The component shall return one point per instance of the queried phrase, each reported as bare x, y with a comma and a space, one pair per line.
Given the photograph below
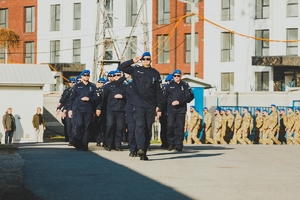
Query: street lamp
194, 11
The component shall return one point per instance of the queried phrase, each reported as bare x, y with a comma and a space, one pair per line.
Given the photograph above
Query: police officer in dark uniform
97, 119
178, 94
146, 98
62, 106
114, 94
82, 99
163, 118
130, 121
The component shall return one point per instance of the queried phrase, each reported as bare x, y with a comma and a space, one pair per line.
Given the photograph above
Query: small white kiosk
21, 88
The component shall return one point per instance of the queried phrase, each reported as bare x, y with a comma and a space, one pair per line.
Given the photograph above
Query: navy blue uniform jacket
178, 92
145, 84
81, 90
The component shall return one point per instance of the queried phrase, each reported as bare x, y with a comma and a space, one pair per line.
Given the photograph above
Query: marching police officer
146, 98
207, 126
82, 99
178, 94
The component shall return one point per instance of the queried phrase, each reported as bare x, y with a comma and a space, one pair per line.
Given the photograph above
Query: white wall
23, 101
66, 35
244, 22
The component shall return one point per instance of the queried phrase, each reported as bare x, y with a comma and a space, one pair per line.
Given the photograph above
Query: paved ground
56, 171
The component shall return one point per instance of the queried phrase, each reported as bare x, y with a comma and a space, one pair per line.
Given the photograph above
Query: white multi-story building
236, 63
67, 33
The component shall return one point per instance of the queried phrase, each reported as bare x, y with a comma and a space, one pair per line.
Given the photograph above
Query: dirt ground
11, 176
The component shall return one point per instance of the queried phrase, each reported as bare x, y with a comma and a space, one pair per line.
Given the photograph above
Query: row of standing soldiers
269, 129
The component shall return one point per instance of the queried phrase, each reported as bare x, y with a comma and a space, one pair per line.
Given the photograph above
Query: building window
227, 47
292, 47
131, 12
261, 81
29, 19
77, 16
2, 54
132, 47
55, 17
292, 8
188, 48
163, 49
163, 12
262, 9
29, 52
54, 51
76, 51
227, 81
110, 13
262, 46
227, 12
188, 9
3, 18
108, 49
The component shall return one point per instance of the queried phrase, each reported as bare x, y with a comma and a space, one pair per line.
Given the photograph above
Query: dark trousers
64, 122
131, 131
115, 121
83, 121
98, 129
256, 136
175, 124
228, 135
163, 135
69, 129
144, 118
8, 136
281, 136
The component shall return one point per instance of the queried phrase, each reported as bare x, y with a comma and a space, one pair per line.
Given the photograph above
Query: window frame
262, 43
261, 81
55, 19
30, 22
110, 13
229, 16
29, 55
132, 48
230, 81
188, 48
290, 45
230, 49
77, 19
291, 4
131, 12
54, 51
108, 54
163, 55
5, 23
77, 51
164, 16
261, 8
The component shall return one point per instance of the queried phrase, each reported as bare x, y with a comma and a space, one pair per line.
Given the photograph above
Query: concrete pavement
56, 171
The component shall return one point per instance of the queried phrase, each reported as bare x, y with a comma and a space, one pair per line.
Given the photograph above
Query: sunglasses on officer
101, 82
72, 82
85, 75
117, 75
177, 75
147, 59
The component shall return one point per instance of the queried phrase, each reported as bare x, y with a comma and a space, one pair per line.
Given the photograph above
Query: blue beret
106, 80
236, 109
146, 54
228, 109
111, 73
273, 105
245, 108
72, 80
290, 107
258, 109
217, 109
192, 106
117, 71
177, 71
85, 72
205, 108
169, 77
222, 110
101, 80
298, 108
281, 109
265, 111
78, 77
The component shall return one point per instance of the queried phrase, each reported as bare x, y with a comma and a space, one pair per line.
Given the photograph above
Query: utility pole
145, 28
96, 46
194, 12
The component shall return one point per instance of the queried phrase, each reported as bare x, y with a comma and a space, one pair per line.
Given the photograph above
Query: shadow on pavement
63, 173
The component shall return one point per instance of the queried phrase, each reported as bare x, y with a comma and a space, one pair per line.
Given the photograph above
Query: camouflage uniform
224, 126
282, 128
237, 128
258, 131
245, 129
195, 121
218, 128
265, 127
207, 126
273, 128
229, 128
296, 130
289, 127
